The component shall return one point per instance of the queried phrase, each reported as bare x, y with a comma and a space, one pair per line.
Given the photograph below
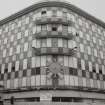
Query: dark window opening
43, 12
66, 99
6, 70
100, 71
94, 70
37, 99
54, 28
38, 71
71, 71
83, 73
24, 73
56, 99
13, 68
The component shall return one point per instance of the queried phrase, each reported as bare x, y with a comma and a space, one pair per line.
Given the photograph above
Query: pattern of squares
20, 67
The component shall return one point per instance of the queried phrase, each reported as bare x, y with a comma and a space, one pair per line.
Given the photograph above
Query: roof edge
52, 3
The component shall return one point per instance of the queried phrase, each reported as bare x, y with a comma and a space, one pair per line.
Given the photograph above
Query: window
38, 28
65, 28
59, 13
54, 28
44, 27
65, 43
80, 22
38, 61
54, 42
25, 46
54, 12
81, 47
27, 20
17, 65
43, 43
26, 33
19, 35
18, 49
95, 52
11, 51
43, 12
64, 14
83, 64
48, 42
4, 53
60, 42
24, 81
25, 64
38, 71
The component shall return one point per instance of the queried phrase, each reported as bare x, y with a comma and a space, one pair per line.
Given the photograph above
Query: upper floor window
43, 12
54, 27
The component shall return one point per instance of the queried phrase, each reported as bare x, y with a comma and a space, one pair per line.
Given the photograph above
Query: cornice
49, 4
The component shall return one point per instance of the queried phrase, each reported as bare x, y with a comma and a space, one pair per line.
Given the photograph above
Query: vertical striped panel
75, 80
37, 61
101, 84
80, 81
71, 80
66, 61
15, 83
70, 61
12, 83
43, 79
98, 84
24, 82
37, 80
5, 84
32, 80
60, 42
49, 42
20, 82
33, 62
61, 81
43, 60
8, 84
91, 83
88, 82
95, 83
28, 82
84, 82
66, 79
49, 82
75, 62
104, 84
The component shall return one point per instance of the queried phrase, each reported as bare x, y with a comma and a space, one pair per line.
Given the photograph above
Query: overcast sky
93, 7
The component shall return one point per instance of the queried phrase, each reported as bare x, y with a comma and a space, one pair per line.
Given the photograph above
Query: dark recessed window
13, 68
71, 71
43, 12
54, 28
6, 70
38, 71
55, 99
94, 70
83, 73
100, 71
24, 73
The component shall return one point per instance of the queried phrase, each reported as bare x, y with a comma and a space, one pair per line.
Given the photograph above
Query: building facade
52, 53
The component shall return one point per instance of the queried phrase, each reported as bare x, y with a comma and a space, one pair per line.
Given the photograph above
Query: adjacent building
52, 53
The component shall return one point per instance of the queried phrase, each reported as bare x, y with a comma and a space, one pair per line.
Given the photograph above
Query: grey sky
93, 7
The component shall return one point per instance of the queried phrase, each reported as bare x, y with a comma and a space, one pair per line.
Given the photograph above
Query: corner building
52, 53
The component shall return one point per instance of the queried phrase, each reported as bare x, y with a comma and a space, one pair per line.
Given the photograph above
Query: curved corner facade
52, 54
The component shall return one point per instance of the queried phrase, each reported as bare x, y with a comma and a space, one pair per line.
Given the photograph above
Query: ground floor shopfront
55, 97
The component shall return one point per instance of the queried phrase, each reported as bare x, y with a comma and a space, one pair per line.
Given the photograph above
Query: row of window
41, 80
46, 60
54, 27
91, 51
